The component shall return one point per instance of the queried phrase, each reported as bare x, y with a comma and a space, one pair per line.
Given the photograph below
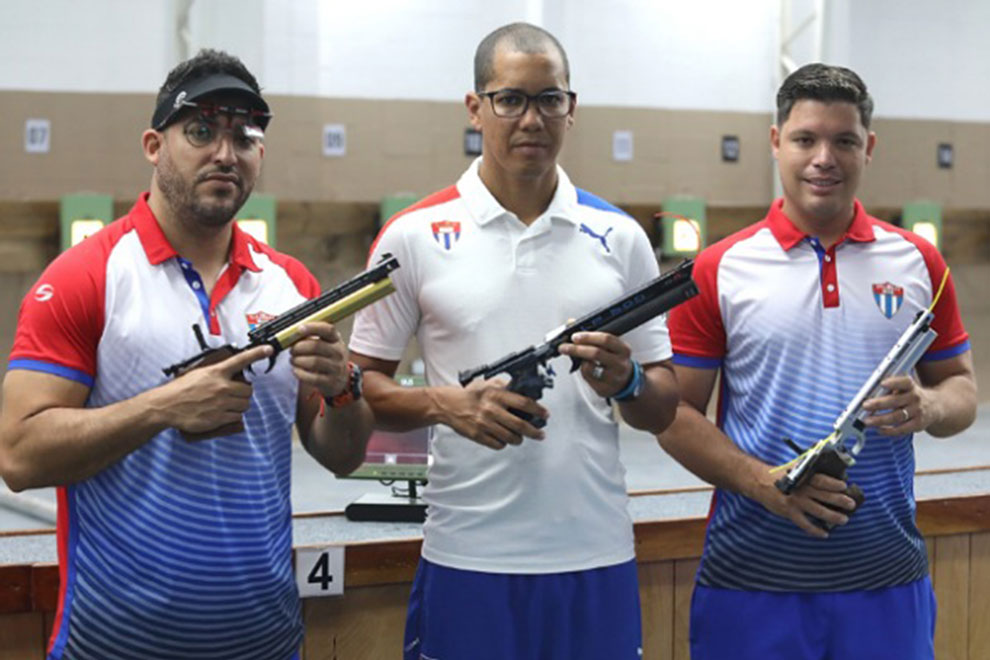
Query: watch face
353, 390
357, 380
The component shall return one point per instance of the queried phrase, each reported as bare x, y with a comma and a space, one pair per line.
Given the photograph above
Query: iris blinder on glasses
204, 129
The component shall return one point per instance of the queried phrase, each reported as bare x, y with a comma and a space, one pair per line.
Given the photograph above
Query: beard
198, 209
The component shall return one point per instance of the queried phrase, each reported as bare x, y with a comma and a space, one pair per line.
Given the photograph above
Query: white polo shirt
476, 284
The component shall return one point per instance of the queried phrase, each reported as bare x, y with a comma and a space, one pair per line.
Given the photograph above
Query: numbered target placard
37, 136
320, 571
334, 140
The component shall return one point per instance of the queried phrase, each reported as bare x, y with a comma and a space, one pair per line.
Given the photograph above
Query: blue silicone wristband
629, 392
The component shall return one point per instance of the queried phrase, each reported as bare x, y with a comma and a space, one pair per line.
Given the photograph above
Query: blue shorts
469, 615
895, 623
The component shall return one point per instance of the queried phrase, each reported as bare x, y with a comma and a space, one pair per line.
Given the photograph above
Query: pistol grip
833, 466
531, 386
538, 422
854, 492
213, 357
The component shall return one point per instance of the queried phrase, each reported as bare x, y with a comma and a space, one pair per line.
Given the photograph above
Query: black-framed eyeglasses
512, 103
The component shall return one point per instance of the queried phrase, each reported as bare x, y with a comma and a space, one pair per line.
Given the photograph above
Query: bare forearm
654, 409
399, 408
955, 399
338, 439
702, 448
60, 446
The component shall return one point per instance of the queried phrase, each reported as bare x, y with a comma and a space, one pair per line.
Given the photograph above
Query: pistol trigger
271, 362
575, 364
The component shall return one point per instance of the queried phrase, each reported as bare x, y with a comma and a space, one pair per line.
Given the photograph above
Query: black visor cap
214, 83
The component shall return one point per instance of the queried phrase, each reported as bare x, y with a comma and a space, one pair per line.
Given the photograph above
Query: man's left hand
907, 407
320, 360
606, 361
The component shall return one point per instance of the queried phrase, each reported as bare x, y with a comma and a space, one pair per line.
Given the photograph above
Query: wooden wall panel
952, 594
22, 636
979, 596
365, 623
369, 621
656, 595
417, 146
684, 573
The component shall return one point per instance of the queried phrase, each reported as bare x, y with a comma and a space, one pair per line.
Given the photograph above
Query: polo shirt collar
484, 208
158, 249
788, 235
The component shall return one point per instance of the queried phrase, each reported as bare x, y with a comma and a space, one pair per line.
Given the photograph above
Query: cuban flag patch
889, 298
257, 318
446, 232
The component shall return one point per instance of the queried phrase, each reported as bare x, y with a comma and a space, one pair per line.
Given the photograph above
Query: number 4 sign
320, 571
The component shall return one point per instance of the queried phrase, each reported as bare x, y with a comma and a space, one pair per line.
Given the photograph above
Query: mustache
224, 172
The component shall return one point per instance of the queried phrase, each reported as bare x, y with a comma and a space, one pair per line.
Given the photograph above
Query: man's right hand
480, 412
807, 502
210, 401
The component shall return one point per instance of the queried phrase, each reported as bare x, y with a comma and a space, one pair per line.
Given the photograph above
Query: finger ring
598, 372
907, 415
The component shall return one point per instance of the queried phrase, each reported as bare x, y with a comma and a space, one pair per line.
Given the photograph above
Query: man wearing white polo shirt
796, 312
528, 548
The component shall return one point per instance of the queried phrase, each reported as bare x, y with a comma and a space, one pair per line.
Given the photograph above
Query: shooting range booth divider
925, 219
679, 238
258, 217
391, 458
82, 215
392, 204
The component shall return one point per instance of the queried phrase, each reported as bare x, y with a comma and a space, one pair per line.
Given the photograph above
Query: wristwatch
351, 393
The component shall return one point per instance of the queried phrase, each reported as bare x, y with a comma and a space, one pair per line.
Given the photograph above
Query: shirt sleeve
952, 337
383, 330
696, 328
61, 317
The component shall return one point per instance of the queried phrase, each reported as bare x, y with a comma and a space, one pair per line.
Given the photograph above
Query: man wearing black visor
171, 547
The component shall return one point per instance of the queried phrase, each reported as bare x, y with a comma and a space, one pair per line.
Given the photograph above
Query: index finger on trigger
241, 361
522, 402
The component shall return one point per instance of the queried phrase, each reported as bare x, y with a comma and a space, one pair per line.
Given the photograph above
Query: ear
774, 140
473, 104
151, 145
871, 142
570, 115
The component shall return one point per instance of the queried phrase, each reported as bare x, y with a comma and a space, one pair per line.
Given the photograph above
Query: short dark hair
206, 62
519, 37
827, 83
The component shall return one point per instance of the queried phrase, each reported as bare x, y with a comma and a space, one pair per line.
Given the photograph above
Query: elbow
14, 475
951, 427
664, 420
343, 465
344, 468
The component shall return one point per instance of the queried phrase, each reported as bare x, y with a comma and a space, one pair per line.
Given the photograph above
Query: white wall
705, 54
924, 59
921, 59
